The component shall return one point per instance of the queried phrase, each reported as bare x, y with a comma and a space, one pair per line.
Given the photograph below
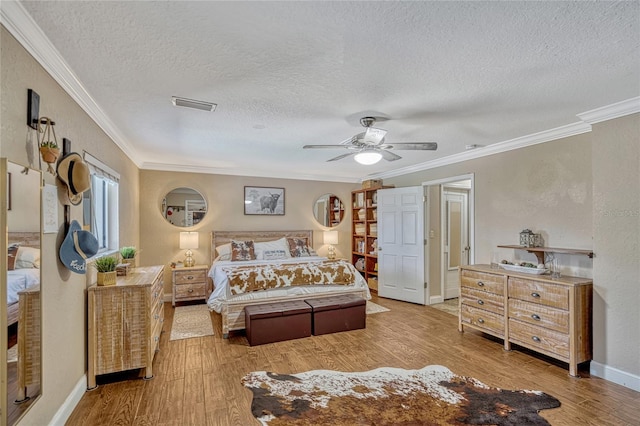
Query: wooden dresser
190, 283
124, 323
549, 316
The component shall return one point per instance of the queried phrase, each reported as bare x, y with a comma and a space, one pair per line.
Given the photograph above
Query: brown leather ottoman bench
275, 322
338, 313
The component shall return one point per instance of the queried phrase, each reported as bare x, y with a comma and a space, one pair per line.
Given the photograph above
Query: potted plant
49, 152
128, 255
106, 267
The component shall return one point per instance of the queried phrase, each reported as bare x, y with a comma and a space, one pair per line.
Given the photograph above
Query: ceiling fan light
368, 157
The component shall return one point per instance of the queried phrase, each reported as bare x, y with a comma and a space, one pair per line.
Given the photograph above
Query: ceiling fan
370, 146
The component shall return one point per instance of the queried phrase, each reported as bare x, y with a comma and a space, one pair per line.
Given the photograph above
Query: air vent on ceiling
192, 103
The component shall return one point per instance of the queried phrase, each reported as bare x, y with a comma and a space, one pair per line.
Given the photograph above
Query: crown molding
609, 112
496, 148
243, 172
21, 25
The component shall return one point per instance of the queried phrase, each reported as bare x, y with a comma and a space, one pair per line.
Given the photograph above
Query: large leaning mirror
328, 210
183, 207
20, 288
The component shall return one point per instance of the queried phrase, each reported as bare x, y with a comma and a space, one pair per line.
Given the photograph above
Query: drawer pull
535, 339
535, 317
480, 321
480, 283
190, 277
535, 295
190, 290
156, 338
480, 302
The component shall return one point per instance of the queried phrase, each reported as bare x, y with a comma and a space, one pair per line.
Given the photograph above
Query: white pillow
276, 245
224, 250
27, 258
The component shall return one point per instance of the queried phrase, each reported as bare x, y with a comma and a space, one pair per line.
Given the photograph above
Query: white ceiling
286, 74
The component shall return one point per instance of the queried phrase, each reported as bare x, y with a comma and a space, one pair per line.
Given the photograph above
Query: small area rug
374, 308
191, 321
389, 396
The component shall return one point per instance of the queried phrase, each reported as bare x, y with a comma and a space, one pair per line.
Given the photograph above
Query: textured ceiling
286, 74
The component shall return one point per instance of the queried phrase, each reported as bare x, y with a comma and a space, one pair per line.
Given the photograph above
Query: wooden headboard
27, 239
219, 238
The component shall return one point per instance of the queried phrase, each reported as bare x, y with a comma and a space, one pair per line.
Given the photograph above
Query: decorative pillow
275, 254
298, 247
27, 257
11, 257
226, 256
242, 250
275, 245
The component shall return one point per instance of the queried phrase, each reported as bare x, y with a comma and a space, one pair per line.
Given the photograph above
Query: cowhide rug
390, 396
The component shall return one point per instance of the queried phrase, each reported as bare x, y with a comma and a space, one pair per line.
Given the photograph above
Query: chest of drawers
190, 283
549, 316
124, 323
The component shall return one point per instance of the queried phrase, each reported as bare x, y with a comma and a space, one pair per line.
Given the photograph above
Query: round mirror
328, 210
184, 207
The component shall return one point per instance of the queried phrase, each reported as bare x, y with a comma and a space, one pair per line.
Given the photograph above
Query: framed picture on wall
263, 200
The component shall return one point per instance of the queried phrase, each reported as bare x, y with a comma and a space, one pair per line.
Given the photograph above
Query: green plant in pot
128, 255
106, 267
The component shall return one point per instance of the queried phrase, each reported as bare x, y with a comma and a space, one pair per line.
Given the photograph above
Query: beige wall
159, 240
616, 243
545, 187
63, 294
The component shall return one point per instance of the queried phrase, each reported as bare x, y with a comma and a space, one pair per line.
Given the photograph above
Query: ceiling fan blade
340, 157
388, 155
415, 146
324, 146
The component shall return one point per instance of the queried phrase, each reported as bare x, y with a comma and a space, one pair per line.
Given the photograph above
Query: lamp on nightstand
331, 238
188, 241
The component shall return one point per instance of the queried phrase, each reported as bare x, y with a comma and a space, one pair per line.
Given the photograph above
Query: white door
401, 244
455, 244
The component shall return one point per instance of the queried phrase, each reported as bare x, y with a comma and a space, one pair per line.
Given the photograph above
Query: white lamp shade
330, 237
368, 157
189, 240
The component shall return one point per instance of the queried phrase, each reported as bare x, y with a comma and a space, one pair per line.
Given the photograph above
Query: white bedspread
222, 293
18, 280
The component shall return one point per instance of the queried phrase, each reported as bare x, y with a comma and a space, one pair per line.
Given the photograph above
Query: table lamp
331, 238
188, 241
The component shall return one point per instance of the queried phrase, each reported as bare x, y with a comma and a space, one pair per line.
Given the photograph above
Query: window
100, 204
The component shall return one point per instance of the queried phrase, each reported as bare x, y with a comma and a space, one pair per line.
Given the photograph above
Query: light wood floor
197, 381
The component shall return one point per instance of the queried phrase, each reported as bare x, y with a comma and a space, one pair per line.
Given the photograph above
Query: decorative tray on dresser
549, 316
124, 323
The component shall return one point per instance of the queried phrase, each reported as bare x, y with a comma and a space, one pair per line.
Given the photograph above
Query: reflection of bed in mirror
23, 308
21, 277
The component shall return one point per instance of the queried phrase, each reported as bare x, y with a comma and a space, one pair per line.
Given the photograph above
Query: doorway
449, 227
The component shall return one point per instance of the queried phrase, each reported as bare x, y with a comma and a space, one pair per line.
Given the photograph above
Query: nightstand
190, 283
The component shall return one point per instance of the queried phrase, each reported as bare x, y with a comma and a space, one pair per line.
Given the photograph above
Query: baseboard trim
67, 407
614, 375
435, 299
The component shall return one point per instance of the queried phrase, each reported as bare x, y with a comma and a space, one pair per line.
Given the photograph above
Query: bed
269, 277
26, 272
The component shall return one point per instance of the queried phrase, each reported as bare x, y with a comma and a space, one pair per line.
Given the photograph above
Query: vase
107, 278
